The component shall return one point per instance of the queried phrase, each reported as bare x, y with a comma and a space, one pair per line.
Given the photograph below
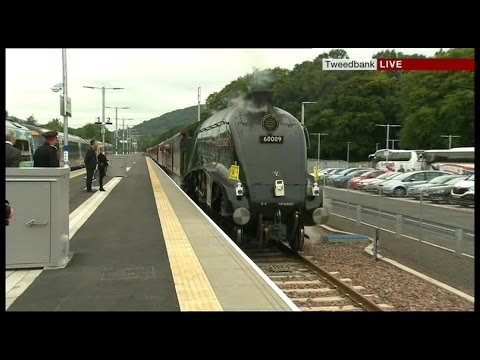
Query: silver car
416, 190
398, 186
371, 185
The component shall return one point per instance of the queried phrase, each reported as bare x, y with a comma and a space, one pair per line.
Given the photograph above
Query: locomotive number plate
271, 139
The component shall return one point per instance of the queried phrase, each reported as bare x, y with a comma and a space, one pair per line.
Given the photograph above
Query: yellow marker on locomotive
234, 171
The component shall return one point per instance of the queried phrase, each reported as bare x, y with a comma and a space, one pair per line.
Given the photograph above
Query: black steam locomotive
246, 166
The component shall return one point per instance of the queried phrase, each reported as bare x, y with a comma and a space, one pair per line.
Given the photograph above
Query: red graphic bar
425, 64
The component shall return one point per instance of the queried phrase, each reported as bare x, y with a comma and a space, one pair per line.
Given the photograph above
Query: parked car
325, 175
342, 181
463, 192
398, 186
442, 193
372, 174
372, 185
467, 198
346, 171
416, 190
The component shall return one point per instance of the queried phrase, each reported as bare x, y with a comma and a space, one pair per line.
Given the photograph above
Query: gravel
387, 283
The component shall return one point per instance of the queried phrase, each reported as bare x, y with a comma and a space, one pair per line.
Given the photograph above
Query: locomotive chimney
260, 100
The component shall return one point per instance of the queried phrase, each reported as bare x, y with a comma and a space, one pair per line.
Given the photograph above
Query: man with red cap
46, 155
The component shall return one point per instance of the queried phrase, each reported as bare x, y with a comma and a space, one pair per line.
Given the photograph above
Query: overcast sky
155, 81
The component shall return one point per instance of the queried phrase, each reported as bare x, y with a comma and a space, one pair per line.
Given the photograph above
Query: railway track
309, 286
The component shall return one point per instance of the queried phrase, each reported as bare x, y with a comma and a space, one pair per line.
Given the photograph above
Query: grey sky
155, 81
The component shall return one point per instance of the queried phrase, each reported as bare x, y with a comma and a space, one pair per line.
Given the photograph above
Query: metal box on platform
117, 165
38, 235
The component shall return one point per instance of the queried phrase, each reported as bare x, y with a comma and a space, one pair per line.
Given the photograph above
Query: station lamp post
103, 88
131, 135
388, 134
116, 123
388, 126
65, 106
393, 143
450, 139
318, 149
348, 153
123, 135
303, 109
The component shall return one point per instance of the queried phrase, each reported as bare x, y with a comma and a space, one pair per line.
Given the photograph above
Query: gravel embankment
390, 284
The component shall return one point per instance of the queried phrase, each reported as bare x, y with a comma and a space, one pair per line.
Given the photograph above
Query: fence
436, 240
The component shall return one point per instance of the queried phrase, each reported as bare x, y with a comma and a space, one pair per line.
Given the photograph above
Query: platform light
103, 88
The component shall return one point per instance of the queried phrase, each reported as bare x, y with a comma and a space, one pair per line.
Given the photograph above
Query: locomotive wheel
297, 243
239, 235
301, 238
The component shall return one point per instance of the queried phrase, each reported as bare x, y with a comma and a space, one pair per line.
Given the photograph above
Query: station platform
143, 245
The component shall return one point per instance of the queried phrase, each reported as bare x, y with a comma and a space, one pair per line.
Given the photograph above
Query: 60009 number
270, 139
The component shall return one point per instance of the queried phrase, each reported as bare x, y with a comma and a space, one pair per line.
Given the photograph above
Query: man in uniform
46, 155
12, 154
90, 161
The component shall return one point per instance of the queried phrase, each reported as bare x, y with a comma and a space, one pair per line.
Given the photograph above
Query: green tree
31, 120
54, 124
435, 103
349, 104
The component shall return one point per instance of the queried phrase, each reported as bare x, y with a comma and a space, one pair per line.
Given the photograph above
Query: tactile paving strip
193, 288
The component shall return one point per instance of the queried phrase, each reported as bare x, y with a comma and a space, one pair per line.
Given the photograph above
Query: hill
168, 121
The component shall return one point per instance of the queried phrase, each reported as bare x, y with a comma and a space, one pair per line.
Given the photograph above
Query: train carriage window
22, 145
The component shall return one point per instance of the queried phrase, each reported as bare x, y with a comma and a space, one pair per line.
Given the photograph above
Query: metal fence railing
433, 239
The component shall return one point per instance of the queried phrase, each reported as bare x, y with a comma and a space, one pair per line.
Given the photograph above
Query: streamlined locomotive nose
247, 165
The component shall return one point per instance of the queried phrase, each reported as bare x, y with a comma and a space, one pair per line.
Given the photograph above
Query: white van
463, 192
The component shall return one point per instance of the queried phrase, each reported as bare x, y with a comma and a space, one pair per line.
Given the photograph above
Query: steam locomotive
246, 166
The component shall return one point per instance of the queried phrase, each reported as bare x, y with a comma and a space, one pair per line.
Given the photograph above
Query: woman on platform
102, 165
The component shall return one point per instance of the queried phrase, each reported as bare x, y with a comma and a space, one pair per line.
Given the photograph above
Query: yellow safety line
194, 291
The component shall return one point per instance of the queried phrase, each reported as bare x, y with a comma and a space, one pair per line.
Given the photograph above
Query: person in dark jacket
90, 161
8, 212
12, 154
46, 155
102, 165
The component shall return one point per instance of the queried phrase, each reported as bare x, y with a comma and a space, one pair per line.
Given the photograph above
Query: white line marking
17, 281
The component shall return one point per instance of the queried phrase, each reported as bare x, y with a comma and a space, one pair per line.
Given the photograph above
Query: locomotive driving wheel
297, 236
296, 244
299, 241
239, 239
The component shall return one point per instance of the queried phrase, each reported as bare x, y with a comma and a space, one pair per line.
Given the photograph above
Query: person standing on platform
8, 213
90, 161
102, 165
12, 154
401, 169
46, 155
